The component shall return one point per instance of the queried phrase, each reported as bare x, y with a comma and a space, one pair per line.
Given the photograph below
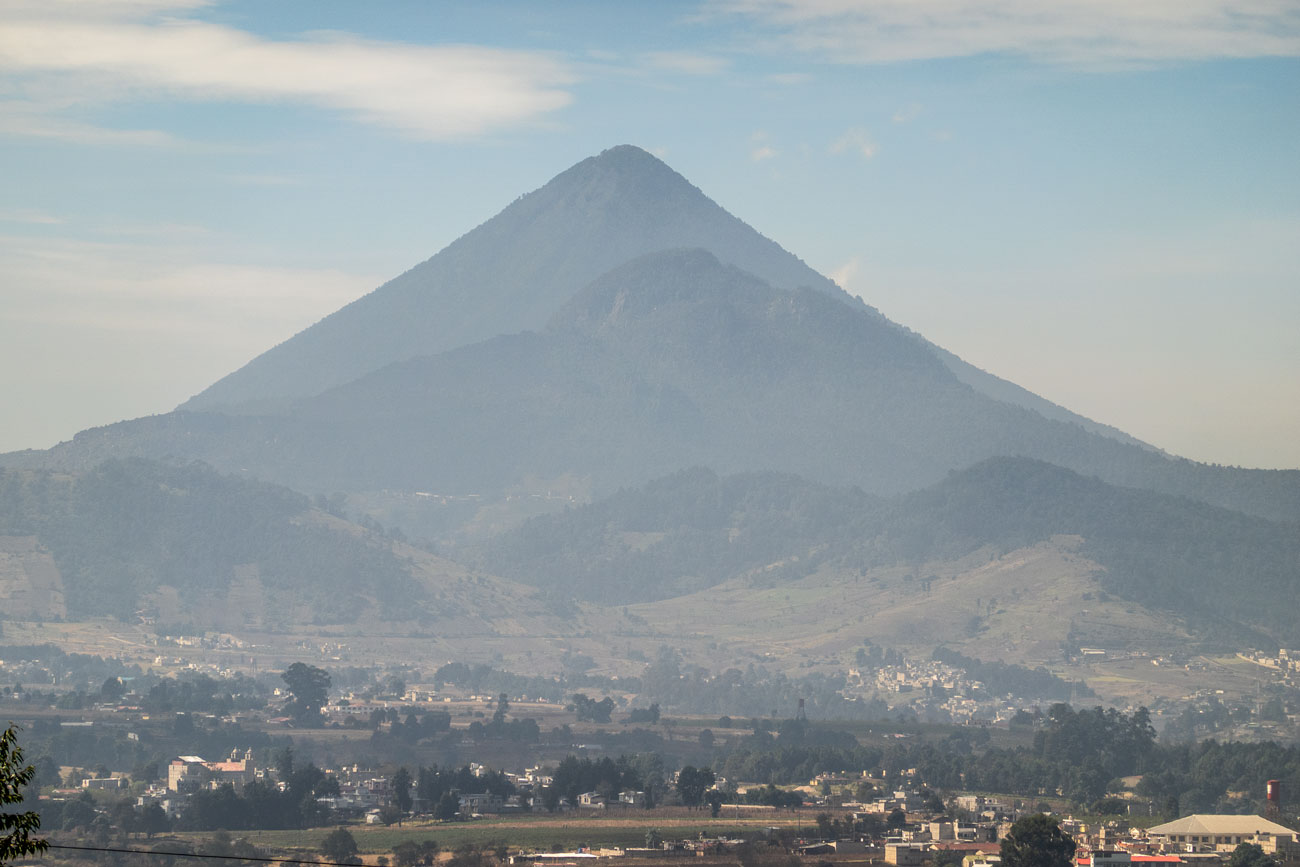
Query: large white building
1212, 832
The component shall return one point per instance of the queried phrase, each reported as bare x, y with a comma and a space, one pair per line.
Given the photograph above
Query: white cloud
54, 55
1060, 31
263, 179
31, 218
788, 79
150, 289
907, 114
762, 152
35, 120
857, 141
93, 332
687, 62
844, 274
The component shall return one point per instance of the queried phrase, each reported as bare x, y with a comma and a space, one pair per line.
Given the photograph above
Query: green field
537, 833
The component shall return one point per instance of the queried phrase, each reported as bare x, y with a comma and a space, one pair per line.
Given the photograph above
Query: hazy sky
1097, 199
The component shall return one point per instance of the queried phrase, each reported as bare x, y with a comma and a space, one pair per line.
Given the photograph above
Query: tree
310, 687
406, 853
339, 847
1037, 841
1273, 711
112, 690
153, 820
401, 786
409, 853
692, 783
946, 858
447, 807
284, 763
1250, 855
588, 709
16, 828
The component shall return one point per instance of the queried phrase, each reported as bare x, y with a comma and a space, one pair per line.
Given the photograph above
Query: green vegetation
119, 532
1223, 570
16, 829
530, 832
1250, 855
1037, 841
1004, 679
1207, 563
310, 688
678, 534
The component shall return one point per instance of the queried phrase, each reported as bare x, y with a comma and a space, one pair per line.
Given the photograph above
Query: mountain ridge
616, 205
694, 530
670, 360
512, 272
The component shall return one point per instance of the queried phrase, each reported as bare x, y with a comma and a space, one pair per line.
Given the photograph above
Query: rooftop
1218, 823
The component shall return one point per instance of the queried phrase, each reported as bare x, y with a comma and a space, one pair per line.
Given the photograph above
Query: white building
1210, 832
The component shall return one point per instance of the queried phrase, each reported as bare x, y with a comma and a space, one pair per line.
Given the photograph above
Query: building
105, 783
904, 855
1210, 832
482, 802
191, 773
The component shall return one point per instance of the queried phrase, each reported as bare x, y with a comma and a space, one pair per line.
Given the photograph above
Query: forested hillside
1229, 572
124, 530
676, 535
1174, 553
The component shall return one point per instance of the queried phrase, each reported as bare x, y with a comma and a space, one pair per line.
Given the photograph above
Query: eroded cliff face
31, 587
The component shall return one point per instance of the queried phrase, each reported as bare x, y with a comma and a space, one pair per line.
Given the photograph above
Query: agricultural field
545, 833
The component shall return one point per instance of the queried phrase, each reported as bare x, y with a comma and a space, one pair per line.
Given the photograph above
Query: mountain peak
511, 274
625, 159
628, 155
627, 183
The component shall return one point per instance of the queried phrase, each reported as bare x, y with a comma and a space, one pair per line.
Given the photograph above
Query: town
391, 766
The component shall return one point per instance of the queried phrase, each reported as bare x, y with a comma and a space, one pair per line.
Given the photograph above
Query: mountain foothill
732, 417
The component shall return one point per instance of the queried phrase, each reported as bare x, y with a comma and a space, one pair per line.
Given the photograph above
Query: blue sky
1096, 199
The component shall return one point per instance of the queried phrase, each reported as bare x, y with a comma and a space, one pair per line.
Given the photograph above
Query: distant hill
674, 359
674, 536
192, 547
1232, 574
1207, 563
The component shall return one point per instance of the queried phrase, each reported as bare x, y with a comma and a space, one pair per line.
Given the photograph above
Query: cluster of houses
1205, 839
931, 687
362, 794
1283, 660
920, 837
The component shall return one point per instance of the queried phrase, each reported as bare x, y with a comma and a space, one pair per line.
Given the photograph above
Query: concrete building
1210, 832
190, 773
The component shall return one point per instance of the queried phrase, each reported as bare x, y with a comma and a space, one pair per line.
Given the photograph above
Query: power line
194, 855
